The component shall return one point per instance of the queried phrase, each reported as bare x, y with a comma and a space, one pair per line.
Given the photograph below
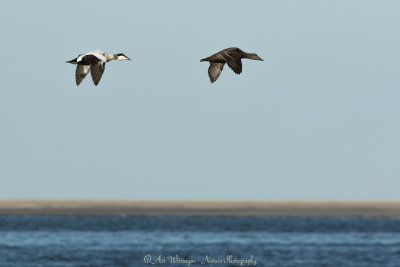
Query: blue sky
318, 119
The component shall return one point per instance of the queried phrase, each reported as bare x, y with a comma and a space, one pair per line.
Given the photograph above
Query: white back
99, 54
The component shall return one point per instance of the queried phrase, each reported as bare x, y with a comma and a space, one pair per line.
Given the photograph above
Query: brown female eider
232, 56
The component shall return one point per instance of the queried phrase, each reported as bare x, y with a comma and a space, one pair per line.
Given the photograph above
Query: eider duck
95, 62
232, 56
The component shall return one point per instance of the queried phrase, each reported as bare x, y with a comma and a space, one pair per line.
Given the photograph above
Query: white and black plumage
232, 56
95, 62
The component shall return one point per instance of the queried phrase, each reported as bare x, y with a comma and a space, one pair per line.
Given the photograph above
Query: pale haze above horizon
318, 119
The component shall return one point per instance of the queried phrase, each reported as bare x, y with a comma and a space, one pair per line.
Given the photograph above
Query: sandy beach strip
200, 207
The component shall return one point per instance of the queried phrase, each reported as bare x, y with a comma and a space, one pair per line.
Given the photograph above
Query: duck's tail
72, 61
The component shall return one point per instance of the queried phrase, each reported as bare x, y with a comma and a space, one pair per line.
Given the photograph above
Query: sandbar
199, 207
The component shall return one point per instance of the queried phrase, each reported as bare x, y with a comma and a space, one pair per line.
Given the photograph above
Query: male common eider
95, 62
232, 56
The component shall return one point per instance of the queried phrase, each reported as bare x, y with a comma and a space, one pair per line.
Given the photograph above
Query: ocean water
198, 241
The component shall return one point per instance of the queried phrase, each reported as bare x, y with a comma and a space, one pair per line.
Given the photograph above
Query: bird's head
121, 57
254, 56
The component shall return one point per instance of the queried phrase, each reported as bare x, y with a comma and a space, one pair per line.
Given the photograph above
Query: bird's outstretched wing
215, 70
97, 71
234, 61
81, 72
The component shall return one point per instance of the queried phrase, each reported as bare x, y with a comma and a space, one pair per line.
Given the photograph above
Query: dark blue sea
198, 241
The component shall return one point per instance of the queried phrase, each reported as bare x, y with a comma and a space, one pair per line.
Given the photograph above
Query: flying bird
232, 56
93, 62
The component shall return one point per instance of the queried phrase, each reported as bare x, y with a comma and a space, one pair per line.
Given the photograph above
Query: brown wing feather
215, 70
234, 61
97, 71
80, 73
